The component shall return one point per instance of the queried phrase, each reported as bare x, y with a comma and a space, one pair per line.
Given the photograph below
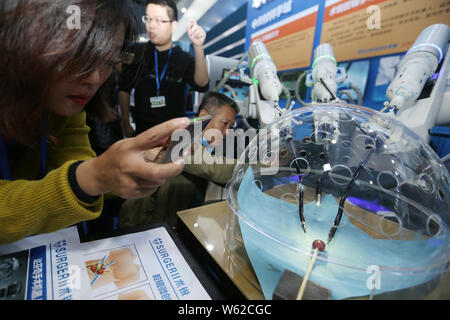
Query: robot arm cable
300, 79
225, 79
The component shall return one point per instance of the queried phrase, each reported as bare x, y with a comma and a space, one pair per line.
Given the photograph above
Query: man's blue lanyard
4, 164
158, 79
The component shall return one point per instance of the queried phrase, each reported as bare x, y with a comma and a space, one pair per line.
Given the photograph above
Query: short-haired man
223, 110
180, 192
161, 70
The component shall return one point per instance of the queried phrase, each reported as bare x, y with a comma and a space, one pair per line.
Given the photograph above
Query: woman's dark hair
172, 11
39, 47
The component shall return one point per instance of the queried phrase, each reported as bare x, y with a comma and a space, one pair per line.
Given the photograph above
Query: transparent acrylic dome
392, 240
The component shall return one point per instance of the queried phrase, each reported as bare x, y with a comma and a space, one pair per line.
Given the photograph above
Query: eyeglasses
157, 20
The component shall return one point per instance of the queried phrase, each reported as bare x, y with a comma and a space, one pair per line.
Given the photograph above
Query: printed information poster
290, 41
389, 26
140, 266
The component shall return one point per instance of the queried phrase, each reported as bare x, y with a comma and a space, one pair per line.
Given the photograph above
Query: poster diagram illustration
114, 269
145, 265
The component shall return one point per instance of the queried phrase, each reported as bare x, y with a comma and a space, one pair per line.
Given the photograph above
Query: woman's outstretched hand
124, 170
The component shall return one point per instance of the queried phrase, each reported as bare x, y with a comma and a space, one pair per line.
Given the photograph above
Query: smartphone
172, 150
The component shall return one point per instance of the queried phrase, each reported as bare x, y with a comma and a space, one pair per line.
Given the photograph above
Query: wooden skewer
372, 293
306, 277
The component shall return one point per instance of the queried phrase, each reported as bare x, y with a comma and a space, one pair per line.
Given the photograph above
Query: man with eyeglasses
161, 70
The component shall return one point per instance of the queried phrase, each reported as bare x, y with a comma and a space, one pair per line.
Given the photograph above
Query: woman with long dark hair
50, 67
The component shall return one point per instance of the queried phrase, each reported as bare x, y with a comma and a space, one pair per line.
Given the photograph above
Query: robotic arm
266, 87
264, 72
416, 67
327, 79
324, 71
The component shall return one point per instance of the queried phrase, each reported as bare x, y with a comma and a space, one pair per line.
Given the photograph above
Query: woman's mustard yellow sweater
29, 207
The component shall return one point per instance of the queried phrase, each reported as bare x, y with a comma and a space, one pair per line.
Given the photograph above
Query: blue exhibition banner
263, 13
290, 30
